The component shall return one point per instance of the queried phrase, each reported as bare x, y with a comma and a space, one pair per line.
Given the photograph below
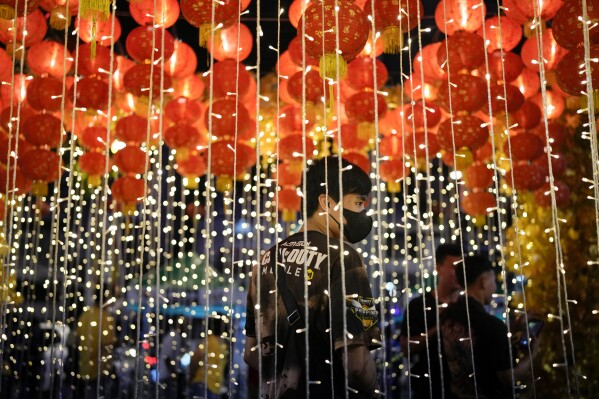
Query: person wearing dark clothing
475, 343
345, 324
420, 317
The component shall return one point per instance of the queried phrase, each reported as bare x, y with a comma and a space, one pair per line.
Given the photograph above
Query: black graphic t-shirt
267, 314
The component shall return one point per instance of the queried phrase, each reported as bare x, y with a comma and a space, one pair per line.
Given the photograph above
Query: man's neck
447, 295
477, 295
318, 224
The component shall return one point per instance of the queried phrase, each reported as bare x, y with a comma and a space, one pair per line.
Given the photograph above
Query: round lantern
42, 166
350, 138
558, 134
552, 52
230, 79
43, 130
289, 202
93, 164
391, 146
501, 34
478, 204
227, 165
467, 130
192, 168
8, 118
392, 172
361, 108
17, 181
292, 147
298, 56
478, 176
128, 190
285, 65
562, 194
137, 80
10, 9
484, 153
431, 68
34, 24
358, 159
559, 164
45, 94
228, 117
158, 12
555, 103
567, 24
545, 9
415, 115
49, 58
139, 44
100, 64
571, 72
183, 137
289, 173
524, 147
101, 33
123, 64
91, 93
131, 160
514, 13
191, 87
361, 71
419, 146
525, 176
468, 93
184, 110
132, 129
371, 50
182, 63
505, 97
528, 82
453, 52
505, 66
393, 18
452, 16
229, 46
199, 14
313, 88
94, 138
290, 120
528, 115
296, 9
320, 20
11, 145
6, 67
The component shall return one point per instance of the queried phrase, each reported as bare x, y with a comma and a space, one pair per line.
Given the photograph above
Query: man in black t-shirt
481, 341
420, 317
343, 320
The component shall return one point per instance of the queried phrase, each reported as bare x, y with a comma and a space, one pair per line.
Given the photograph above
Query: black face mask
357, 225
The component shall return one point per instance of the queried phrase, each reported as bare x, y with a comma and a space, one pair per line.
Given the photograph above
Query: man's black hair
474, 267
326, 171
445, 250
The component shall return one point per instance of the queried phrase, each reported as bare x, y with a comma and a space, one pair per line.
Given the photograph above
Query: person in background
95, 330
321, 260
419, 326
216, 350
469, 334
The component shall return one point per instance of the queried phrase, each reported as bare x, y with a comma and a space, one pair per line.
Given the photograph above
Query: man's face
446, 271
490, 285
352, 202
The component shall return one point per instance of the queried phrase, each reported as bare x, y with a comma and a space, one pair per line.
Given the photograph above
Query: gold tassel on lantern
224, 183
328, 66
394, 186
94, 10
584, 102
392, 40
205, 32
365, 130
7, 12
191, 182
289, 215
94, 180
39, 188
59, 19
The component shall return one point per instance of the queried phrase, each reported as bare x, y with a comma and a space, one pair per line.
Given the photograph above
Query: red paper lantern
528, 82
296, 10
503, 66
571, 72
12, 145
139, 44
132, 129
391, 16
94, 138
14, 180
392, 171
562, 194
100, 64
459, 59
230, 79
558, 134
415, 115
15, 8
360, 74
391, 146
285, 65
184, 110
370, 51
6, 120
505, 95
137, 80
313, 87
552, 52
289, 202
298, 56
421, 145
320, 19
289, 173
525, 176
16, 93
43, 130
468, 93
501, 34
122, 66
158, 12
191, 87
431, 68
34, 24
290, 120
199, 14
229, 47
6, 67
478, 176
292, 147
49, 58
452, 16
193, 166
131, 160
182, 63
545, 9
359, 159
524, 147
468, 131
128, 190
103, 31
225, 162
94, 165
228, 116
528, 115
350, 138
559, 164
555, 103
361, 107
40, 164
567, 24
181, 136
91, 93
45, 94
478, 203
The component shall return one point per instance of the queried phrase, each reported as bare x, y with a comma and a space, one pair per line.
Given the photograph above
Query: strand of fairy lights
560, 269
457, 197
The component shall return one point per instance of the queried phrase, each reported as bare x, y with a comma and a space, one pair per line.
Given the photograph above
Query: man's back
325, 326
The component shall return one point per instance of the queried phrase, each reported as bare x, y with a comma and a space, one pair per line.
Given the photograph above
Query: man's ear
323, 201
